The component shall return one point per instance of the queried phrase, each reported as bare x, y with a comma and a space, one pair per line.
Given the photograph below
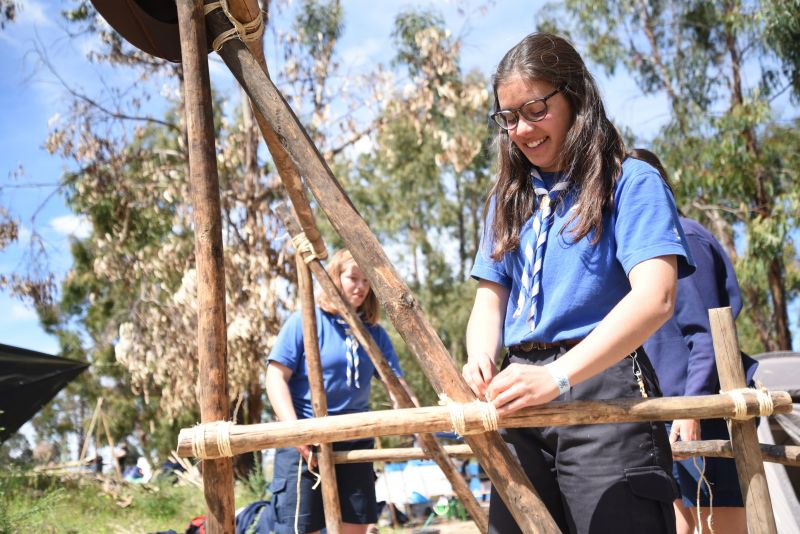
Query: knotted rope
223, 434
244, 31
304, 246
487, 410
765, 404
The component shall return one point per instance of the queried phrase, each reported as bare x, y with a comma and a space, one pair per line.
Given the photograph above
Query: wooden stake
89, 431
111, 444
211, 333
319, 401
247, 438
744, 440
391, 382
402, 308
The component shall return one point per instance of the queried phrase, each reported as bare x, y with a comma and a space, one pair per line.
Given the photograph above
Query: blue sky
30, 97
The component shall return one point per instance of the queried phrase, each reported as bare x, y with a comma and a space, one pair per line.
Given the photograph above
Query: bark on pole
403, 310
744, 440
211, 334
390, 381
319, 400
248, 438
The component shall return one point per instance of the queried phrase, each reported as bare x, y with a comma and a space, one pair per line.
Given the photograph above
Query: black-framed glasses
532, 111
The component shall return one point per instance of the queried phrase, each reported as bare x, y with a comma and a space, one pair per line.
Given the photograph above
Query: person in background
577, 268
347, 374
682, 353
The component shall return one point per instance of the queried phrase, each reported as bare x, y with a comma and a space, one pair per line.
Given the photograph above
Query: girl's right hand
478, 372
305, 452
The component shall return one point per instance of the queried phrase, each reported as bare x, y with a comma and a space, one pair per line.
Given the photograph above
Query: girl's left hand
520, 385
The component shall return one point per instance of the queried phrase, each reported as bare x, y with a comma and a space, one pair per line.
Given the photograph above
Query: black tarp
28, 381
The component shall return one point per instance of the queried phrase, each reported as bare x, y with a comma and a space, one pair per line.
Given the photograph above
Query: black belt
530, 346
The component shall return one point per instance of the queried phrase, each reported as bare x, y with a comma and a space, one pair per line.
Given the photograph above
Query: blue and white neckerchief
534, 249
351, 353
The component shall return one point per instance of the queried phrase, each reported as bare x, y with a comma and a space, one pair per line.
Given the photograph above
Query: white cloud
71, 225
35, 13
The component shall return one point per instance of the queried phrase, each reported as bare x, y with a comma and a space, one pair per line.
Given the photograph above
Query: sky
30, 97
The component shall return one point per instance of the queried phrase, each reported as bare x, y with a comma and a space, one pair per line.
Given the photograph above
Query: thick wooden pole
391, 382
744, 440
319, 400
403, 310
211, 334
248, 438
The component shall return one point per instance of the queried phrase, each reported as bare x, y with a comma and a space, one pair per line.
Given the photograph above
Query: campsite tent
28, 381
781, 371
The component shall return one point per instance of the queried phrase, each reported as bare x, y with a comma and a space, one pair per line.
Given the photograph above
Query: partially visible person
347, 374
682, 352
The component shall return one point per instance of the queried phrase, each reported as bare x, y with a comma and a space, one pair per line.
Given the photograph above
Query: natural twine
247, 31
303, 246
487, 410
223, 439
765, 404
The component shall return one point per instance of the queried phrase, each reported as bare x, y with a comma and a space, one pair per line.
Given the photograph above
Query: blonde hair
369, 310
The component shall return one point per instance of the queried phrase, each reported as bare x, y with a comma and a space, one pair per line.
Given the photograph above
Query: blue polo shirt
289, 351
682, 351
581, 282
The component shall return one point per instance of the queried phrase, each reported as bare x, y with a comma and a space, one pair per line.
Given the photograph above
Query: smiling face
541, 142
355, 286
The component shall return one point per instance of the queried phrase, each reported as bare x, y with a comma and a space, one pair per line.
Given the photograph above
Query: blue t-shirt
581, 282
289, 351
681, 350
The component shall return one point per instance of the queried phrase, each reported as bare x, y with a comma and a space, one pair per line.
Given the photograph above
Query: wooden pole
211, 334
744, 440
720, 448
89, 431
391, 382
248, 438
403, 310
111, 445
319, 400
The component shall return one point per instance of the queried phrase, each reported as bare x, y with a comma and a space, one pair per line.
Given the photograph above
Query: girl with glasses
578, 265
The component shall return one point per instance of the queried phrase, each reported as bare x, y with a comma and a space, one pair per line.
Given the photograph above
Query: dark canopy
28, 380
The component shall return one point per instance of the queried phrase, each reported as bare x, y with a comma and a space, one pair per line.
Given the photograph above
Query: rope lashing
304, 247
487, 411
223, 441
765, 404
244, 31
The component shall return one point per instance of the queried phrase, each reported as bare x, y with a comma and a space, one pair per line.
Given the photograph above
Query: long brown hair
369, 310
591, 156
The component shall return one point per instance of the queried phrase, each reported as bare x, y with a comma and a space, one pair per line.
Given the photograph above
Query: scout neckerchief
534, 249
351, 353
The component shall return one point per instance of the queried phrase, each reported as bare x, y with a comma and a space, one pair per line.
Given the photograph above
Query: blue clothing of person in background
342, 397
682, 353
347, 377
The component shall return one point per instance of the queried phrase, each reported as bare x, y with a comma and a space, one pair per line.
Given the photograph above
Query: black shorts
355, 482
596, 478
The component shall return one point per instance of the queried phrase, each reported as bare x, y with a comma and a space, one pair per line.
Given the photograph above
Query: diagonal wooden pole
390, 380
402, 308
211, 332
319, 401
744, 440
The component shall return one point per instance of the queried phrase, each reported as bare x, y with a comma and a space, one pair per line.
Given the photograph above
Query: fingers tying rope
487, 412
247, 31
